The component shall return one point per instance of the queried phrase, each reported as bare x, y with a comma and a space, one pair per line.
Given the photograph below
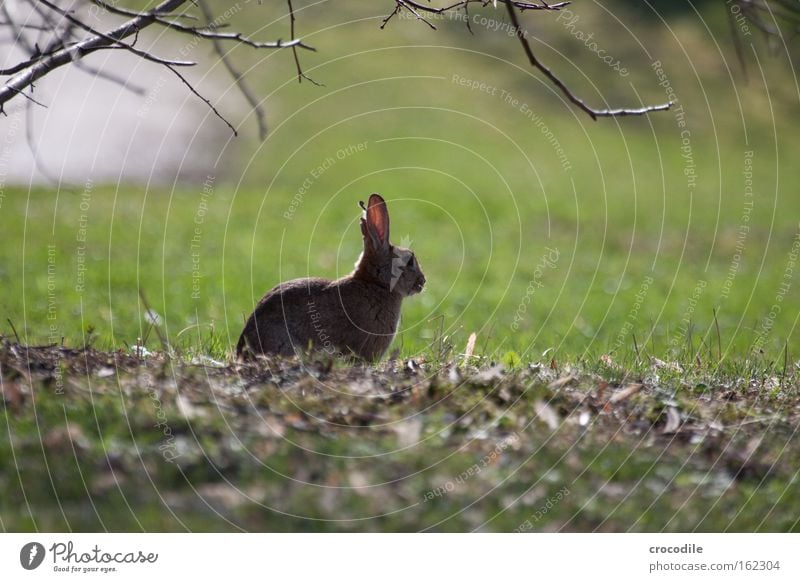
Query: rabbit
355, 316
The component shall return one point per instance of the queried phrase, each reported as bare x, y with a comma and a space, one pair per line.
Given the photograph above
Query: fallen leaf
359, 482
64, 438
625, 393
187, 409
673, 421
453, 375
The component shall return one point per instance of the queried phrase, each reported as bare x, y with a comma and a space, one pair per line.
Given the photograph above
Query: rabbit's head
393, 267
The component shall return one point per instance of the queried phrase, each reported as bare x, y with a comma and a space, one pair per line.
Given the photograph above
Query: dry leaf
625, 393
470, 347
453, 375
564, 380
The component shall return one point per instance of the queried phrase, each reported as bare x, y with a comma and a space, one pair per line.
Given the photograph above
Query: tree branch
416, 8
237, 76
593, 113
300, 74
115, 39
16, 85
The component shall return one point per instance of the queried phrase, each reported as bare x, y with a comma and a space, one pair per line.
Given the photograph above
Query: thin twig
416, 8
134, 13
300, 74
38, 27
206, 101
737, 45
69, 54
237, 76
413, 10
114, 40
14, 329
28, 97
111, 77
164, 343
593, 113
30, 139
209, 31
202, 32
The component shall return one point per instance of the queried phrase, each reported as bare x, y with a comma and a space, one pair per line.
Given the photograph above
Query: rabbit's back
342, 317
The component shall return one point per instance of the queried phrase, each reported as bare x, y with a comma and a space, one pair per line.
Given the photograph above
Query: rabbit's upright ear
376, 226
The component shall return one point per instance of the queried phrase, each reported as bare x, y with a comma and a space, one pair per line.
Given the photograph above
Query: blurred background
539, 229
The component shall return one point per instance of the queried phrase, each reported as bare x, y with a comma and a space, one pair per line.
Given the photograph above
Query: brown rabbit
356, 315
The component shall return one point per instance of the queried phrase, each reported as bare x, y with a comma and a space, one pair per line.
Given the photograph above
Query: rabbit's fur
356, 315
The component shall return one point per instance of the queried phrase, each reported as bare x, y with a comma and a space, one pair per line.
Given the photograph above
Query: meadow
586, 256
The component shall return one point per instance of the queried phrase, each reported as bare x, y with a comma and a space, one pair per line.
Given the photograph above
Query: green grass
646, 268
107, 442
472, 182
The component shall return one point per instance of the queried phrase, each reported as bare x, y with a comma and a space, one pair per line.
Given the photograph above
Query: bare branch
294, 43
69, 54
237, 76
33, 146
36, 57
66, 42
27, 26
300, 74
115, 40
206, 101
737, 45
593, 113
512, 6
416, 8
111, 77
210, 31
28, 97
410, 6
134, 13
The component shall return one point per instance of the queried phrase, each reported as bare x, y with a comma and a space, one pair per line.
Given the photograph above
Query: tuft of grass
110, 441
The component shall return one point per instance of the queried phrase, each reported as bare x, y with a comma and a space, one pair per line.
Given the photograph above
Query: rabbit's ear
376, 225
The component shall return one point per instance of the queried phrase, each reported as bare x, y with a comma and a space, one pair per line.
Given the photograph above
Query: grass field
658, 251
